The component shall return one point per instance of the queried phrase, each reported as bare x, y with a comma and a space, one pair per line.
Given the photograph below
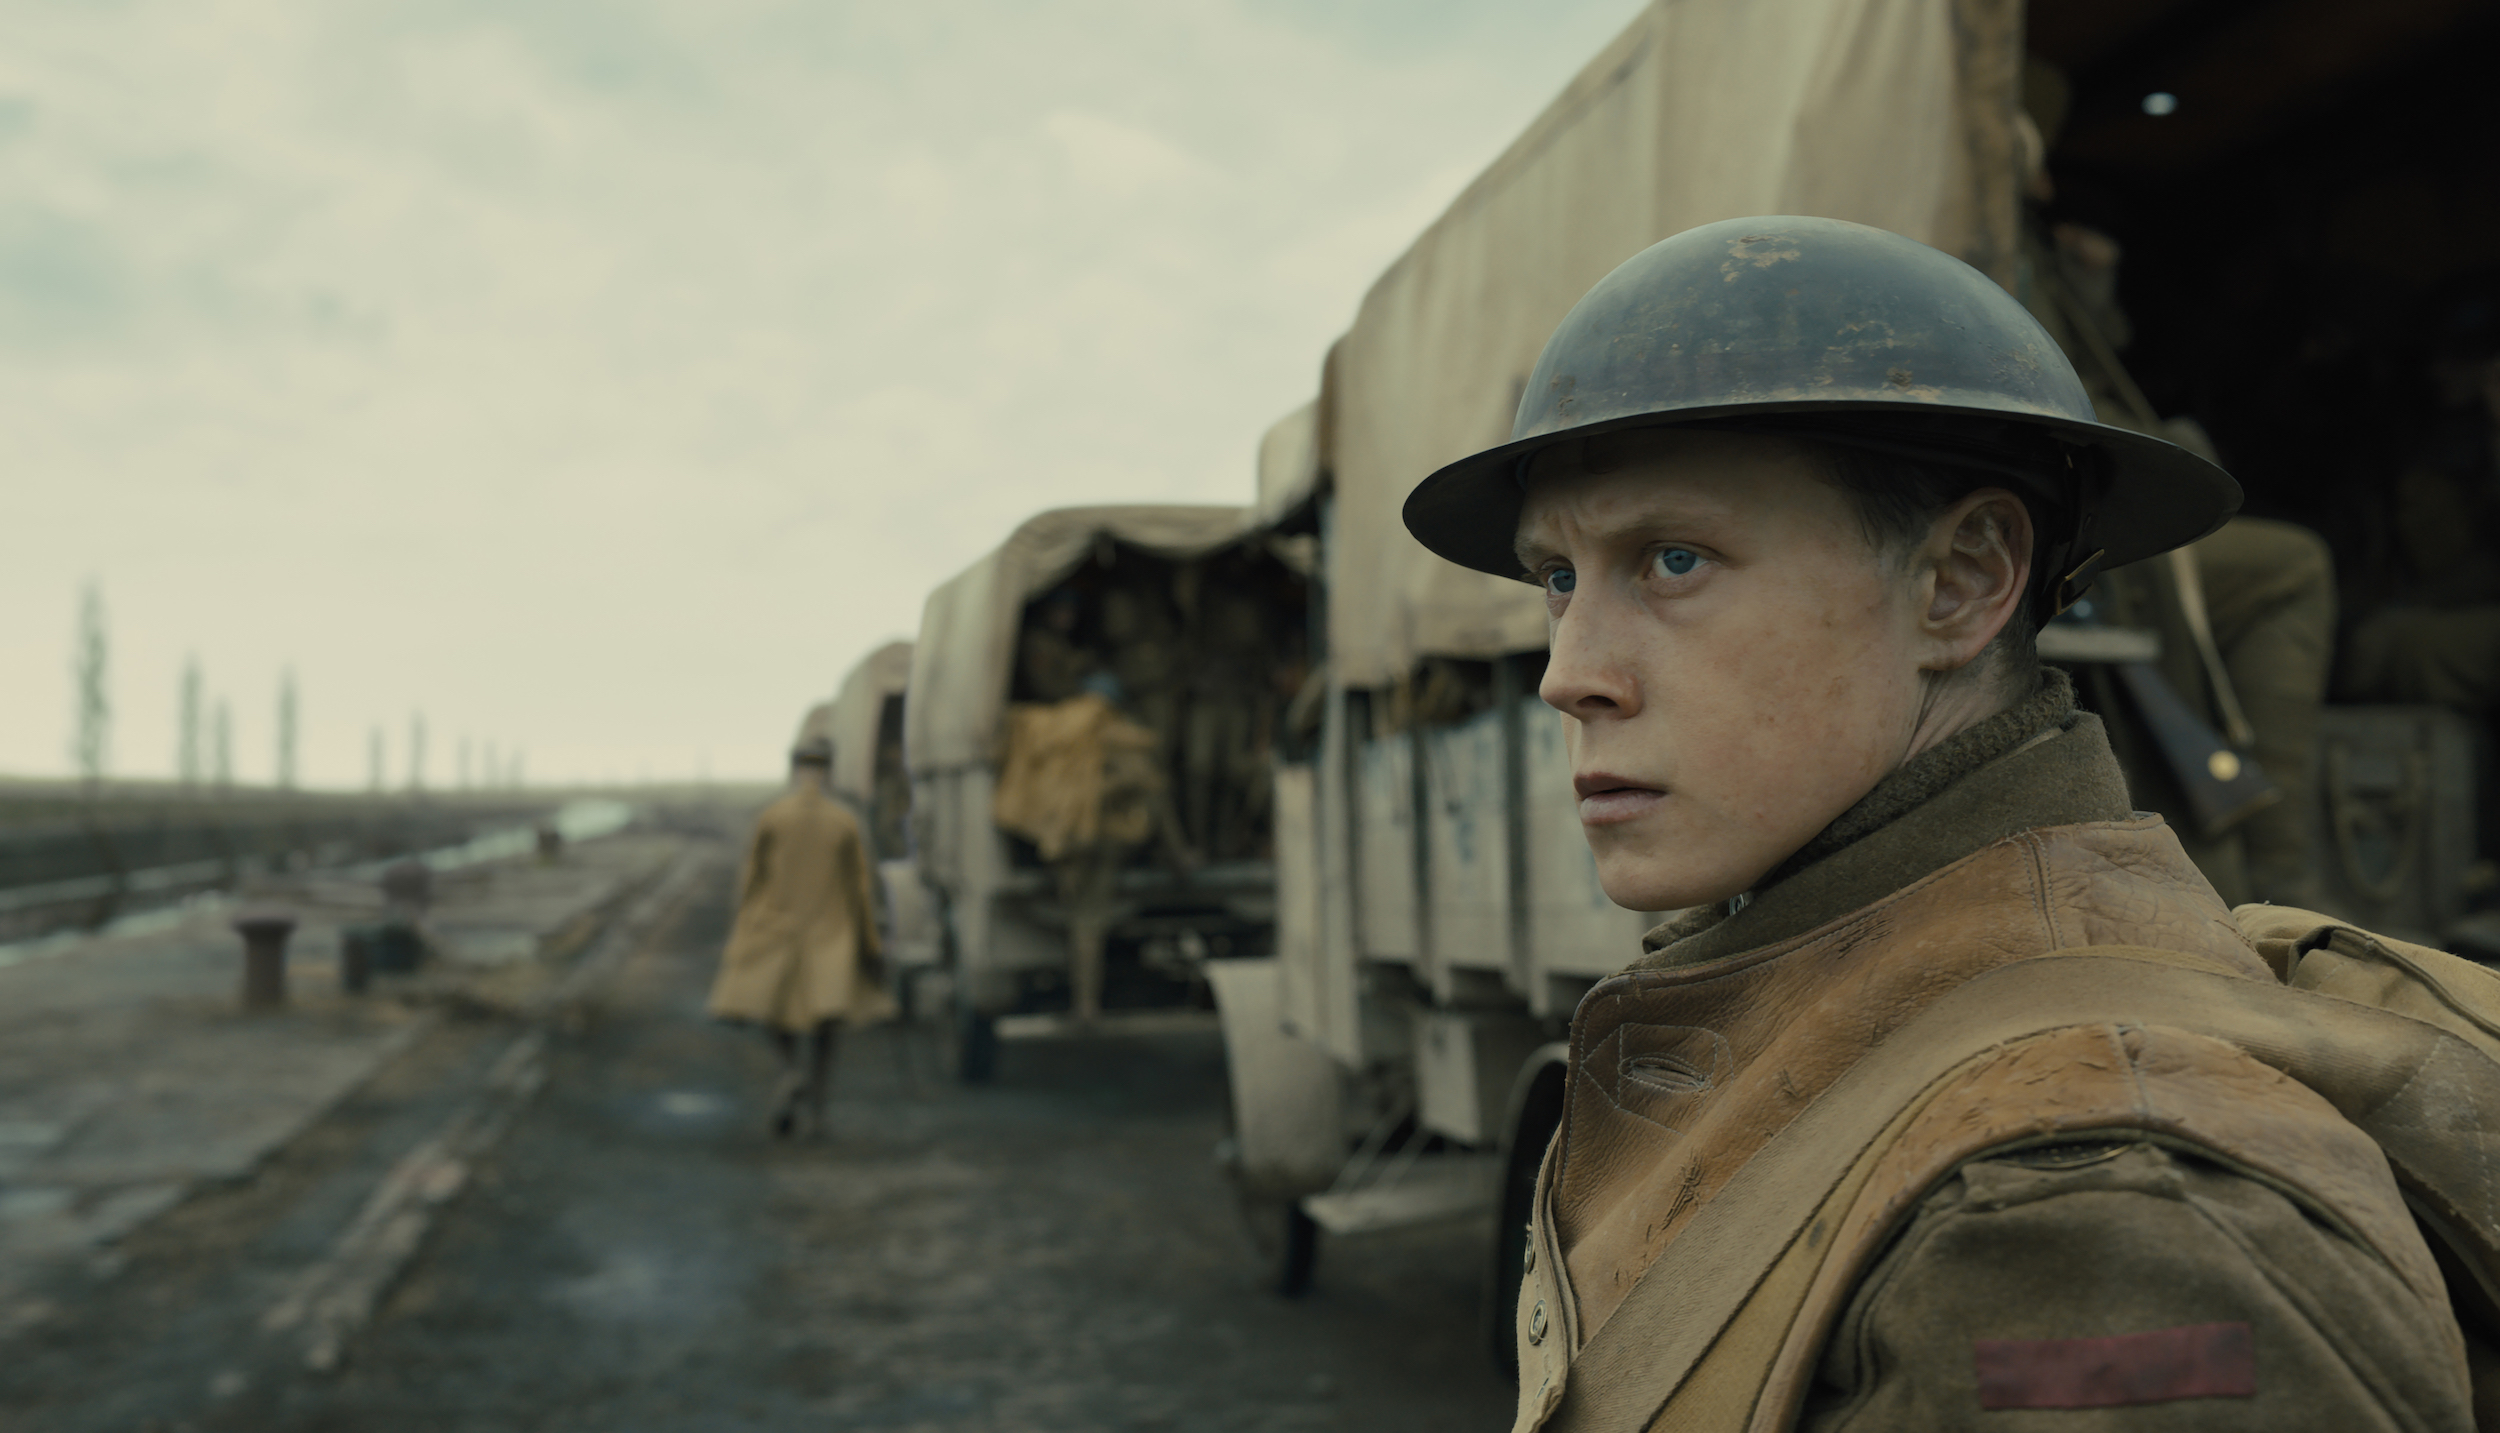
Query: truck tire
1536, 1112
975, 1045
1282, 1242
1297, 1253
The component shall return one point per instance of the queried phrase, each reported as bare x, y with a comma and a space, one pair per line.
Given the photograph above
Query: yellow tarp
1077, 775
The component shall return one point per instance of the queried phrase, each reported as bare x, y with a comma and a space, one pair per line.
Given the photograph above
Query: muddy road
1057, 1251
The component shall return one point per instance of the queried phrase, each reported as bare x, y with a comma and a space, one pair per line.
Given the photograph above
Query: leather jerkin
1742, 1134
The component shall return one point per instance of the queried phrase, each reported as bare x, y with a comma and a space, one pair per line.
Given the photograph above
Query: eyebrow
1672, 512
1661, 513
1529, 552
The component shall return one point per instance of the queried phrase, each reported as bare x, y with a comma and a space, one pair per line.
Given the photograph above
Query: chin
1662, 884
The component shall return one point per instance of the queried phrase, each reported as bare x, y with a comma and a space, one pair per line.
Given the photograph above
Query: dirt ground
1057, 1251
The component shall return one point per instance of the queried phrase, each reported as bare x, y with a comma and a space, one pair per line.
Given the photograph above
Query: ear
1976, 562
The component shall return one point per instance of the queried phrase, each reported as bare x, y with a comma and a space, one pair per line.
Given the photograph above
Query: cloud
61, 280
606, 377
1113, 158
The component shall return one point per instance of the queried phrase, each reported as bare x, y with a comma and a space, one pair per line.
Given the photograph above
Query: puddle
36, 1203
692, 1105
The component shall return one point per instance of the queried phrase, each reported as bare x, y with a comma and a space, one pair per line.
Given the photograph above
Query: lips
1606, 798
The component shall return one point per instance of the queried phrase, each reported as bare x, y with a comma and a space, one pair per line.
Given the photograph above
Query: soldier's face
1735, 663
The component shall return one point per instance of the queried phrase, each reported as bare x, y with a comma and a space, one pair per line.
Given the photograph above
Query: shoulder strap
2191, 582
2413, 1088
2313, 952
2087, 329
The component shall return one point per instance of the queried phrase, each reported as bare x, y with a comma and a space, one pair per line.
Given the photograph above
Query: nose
1586, 674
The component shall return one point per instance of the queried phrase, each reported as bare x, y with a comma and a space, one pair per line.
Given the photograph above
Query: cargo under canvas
2395, 816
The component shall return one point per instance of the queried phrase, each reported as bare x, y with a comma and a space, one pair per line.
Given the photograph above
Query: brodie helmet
1826, 330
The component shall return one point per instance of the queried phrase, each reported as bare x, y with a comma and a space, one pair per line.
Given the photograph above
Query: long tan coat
806, 921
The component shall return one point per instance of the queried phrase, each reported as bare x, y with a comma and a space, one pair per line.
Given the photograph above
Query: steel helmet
1823, 329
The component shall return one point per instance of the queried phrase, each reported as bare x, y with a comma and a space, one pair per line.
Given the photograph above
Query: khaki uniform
2269, 590
2436, 641
1232, 699
806, 925
1146, 658
2270, 600
1986, 1105
1051, 667
2425, 655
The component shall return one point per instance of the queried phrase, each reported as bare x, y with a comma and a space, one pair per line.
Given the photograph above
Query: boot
789, 1103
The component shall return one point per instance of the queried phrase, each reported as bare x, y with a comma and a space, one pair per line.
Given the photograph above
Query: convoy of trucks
1189, 616
864, 724
1397, 924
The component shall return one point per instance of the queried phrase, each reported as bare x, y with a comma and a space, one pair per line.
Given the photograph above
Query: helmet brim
2153, 495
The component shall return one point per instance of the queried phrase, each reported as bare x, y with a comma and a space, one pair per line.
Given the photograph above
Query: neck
1954, 703
1952, 754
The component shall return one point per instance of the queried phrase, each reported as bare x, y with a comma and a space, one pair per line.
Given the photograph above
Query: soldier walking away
1954, 1091
804, 953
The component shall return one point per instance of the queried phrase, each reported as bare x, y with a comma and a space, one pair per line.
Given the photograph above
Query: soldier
2258, 671
1954, 1090
1050, 665
1231, 705
1145, 649
2440, 643
2269, 595
805, 951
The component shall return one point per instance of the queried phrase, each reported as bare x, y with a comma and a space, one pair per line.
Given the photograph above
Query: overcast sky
604, 377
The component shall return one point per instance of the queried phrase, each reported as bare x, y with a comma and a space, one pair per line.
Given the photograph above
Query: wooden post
264, 958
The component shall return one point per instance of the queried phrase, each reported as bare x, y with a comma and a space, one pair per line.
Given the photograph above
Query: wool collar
2039, 763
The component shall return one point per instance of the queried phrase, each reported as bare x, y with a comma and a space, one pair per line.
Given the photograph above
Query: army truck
864, 722
1402, 1058
1189, 624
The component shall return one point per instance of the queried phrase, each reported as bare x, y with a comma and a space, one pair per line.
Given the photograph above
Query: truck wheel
1537, 1106
1283, 1242
1297, 1253
975, 1052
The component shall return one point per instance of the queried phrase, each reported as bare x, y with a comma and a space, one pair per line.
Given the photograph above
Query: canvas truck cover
964, 661
856, 710
818, 722
1894, 113
1288, 464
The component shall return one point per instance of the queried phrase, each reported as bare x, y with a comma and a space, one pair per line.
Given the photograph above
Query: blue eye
1676, 561
1561, 580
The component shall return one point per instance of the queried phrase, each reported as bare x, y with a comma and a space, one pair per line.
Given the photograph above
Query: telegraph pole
90, 747
190, 759
286, 730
